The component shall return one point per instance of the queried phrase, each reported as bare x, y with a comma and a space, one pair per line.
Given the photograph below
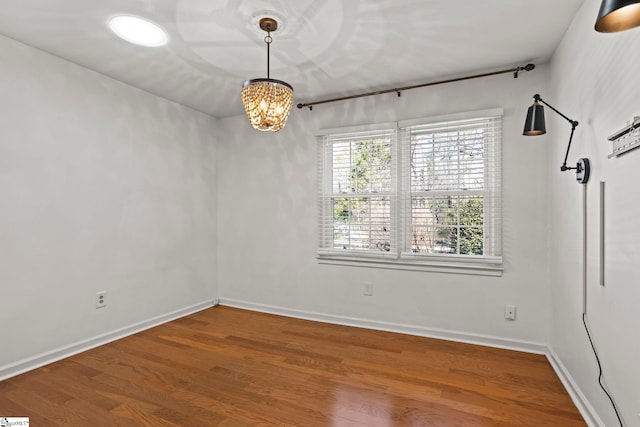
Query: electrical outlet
510, 312
101, 299
368, 288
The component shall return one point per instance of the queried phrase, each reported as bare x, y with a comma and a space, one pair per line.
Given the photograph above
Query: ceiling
324, 48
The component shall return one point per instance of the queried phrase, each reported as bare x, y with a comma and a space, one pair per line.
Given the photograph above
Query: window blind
357, 200
451, 188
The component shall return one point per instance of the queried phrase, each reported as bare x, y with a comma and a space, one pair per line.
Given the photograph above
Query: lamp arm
537, 97
573, 123
564, 166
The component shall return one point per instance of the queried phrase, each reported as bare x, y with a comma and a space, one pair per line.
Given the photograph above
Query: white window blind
358, 193
415, 193
451, 188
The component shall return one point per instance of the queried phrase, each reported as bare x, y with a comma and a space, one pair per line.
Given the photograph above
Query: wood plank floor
230, 367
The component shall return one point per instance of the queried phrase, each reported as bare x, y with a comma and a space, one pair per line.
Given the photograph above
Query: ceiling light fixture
267, 101
138, 31
535, 125
618, 15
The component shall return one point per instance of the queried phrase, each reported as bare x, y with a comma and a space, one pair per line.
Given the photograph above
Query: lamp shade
534, 124
618, 15
267, 103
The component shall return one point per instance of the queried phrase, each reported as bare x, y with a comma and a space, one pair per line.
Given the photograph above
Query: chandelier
267, 101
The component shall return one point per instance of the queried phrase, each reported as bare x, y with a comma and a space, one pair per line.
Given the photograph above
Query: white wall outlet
101, 299
510, 312
368, 288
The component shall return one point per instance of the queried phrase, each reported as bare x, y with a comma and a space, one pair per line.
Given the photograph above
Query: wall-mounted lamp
618, 15
535, 125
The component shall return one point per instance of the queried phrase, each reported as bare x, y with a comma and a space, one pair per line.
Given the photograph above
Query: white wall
103, 187
595, 81
267, 221
106, 187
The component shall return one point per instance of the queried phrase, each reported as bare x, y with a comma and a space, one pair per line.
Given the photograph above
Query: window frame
401, 256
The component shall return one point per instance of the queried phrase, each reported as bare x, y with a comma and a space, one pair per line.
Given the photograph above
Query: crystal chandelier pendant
267, 102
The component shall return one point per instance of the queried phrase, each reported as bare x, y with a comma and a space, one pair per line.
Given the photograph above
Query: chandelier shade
267, 103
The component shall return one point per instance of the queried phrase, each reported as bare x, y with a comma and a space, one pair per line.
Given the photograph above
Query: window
420, 194
452, 186
358, 192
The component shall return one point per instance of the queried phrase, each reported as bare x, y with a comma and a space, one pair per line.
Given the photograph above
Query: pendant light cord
584, 302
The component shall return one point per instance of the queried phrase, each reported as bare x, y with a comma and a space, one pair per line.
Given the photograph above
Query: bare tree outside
447, 181
362, 176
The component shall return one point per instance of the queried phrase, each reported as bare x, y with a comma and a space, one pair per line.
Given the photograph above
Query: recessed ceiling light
138, 31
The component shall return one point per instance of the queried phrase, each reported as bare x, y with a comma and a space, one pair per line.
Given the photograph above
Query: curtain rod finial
527, 67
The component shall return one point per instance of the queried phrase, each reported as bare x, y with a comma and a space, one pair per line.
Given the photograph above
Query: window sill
475, 267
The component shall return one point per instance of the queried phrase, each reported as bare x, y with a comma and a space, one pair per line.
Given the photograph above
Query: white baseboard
579, 399
37, 361
486, 340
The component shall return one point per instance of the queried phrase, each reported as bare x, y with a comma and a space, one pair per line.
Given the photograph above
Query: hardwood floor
230, 367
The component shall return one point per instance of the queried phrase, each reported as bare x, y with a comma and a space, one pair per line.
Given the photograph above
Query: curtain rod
398, 90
